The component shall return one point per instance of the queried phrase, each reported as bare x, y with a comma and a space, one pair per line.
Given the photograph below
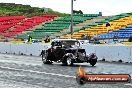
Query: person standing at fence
130, 39
47, 39
29, 39
108, 26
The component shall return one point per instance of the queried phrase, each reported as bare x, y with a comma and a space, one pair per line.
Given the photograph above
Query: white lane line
53, 74
128, 84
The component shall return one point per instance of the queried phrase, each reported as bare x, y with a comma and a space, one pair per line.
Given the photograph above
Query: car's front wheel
68, 61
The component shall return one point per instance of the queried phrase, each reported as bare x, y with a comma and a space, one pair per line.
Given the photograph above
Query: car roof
63, 39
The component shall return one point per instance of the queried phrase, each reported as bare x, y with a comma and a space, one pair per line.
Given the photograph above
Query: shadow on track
74, 65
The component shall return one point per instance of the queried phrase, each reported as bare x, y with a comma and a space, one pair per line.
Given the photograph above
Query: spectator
96, 40
29, 39
89, 37
130, 39
115, 37
84, 37
56, 44
47, 39
6, 40
108, 26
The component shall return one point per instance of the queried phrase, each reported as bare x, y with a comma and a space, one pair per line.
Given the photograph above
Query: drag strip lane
31, 71
27, 78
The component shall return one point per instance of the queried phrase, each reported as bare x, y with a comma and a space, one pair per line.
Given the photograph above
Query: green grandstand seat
59, 24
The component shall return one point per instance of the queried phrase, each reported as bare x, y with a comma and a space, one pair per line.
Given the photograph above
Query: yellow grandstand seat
99, 29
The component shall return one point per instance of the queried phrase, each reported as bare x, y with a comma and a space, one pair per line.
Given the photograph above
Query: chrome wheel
69, 61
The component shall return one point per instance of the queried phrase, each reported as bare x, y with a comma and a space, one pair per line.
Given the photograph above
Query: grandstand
39, 26
26, 24
14, 25
7, 22
124, 32
99, 28
57, 25
89, 24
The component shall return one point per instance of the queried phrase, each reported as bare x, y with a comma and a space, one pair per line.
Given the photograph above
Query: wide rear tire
93, 62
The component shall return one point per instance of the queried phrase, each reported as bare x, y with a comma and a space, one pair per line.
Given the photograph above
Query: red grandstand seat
25, 24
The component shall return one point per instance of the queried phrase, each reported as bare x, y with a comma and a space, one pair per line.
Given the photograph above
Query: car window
70, 42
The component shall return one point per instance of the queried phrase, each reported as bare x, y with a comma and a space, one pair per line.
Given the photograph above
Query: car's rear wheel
44, 59
93, 61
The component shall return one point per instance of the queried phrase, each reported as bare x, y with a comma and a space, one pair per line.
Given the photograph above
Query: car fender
70, 55
92, 56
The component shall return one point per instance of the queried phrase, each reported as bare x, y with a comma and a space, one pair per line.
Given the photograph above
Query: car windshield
69, 42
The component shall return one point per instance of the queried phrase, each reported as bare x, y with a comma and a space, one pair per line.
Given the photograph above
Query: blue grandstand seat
122, 33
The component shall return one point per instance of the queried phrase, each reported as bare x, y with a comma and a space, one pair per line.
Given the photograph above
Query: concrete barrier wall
27, 49
113, 53
108, 52
5, 47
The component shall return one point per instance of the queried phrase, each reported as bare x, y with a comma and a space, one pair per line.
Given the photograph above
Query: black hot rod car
67, 51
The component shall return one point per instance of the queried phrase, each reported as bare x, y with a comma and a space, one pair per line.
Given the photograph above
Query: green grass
11, 9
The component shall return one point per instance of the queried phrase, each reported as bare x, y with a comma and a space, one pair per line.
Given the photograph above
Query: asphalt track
29, 72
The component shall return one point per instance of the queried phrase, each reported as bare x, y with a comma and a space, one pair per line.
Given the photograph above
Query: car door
59, 53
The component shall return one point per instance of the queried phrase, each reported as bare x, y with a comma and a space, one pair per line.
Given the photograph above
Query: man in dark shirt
130, 39
47, 40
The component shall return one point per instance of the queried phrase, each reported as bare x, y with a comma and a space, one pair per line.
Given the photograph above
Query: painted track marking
53, 74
